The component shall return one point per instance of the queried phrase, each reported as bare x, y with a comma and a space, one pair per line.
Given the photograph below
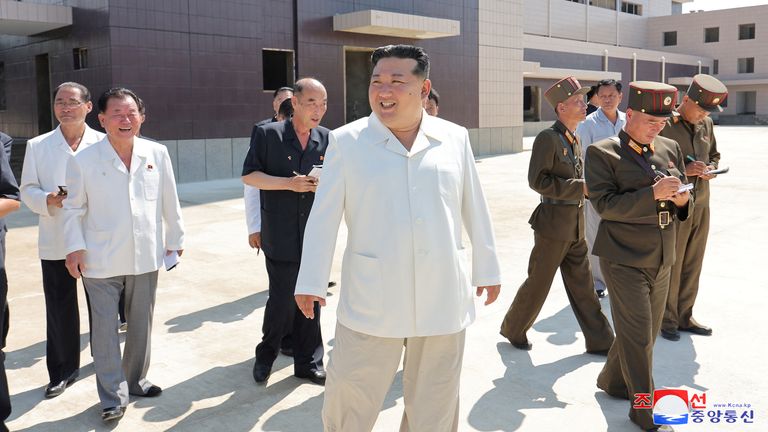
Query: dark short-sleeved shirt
275, 150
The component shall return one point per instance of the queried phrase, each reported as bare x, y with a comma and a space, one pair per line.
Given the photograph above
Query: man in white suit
406, 183
121, 190
45, 164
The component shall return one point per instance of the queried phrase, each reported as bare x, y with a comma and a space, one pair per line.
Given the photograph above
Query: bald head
310, 100
306, 84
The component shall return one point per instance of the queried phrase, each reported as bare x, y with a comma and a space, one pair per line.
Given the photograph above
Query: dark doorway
44, 114
357, 74
531, 103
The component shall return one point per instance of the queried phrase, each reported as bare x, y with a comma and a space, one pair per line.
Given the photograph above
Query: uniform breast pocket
151, 185
449, 179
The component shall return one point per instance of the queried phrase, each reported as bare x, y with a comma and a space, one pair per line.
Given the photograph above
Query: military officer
556, 172
692, 128
634, 183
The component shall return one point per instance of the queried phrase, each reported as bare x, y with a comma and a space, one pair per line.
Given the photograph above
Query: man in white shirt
45, 163
603, 123
121, 216
406, 183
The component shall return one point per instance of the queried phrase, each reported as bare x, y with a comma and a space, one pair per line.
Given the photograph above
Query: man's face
121, 119
693, 113
395, 93
644, 127
310, 105
431, 107
283, 95
573, 109
69, 107
609, 98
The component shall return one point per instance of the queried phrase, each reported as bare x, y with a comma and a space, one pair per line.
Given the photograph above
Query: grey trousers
114, 381
592, 222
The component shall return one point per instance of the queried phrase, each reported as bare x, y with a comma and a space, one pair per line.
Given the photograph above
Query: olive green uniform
697, 141
556, 172
636, 255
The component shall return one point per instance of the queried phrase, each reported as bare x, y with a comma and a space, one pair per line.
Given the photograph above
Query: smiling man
121, 216
406, 183
278, 161
45, 163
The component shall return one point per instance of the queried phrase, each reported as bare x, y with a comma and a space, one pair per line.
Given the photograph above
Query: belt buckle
664, 219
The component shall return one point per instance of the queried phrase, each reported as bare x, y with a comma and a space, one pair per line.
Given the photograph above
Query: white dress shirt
405, 270
117, 216
252, 198
45, 165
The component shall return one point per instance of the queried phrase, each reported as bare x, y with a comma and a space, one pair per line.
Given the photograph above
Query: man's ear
425, 88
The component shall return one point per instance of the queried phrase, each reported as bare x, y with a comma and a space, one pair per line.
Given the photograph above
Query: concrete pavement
209, 312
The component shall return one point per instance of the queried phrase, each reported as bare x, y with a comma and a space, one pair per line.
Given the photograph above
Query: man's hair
280, 90
286, 108
404, 52
591, 92
434, 95
119, 93
608, 82
83, 90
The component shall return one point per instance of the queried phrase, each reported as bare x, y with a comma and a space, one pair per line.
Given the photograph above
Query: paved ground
209, 311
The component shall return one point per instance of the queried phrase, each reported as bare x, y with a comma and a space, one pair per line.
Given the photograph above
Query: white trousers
361, 369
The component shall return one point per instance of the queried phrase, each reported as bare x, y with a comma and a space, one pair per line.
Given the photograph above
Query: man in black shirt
280, 157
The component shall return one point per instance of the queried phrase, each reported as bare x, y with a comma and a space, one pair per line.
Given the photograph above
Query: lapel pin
289, 157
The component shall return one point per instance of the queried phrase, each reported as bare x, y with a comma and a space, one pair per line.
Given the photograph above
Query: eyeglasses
68, 104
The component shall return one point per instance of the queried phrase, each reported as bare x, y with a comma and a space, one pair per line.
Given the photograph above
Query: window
2, 86
631, 8
670, 38
715, 66
746, 31
746, 65
577, 1
712, 34
605, 4
277, 69
80, 57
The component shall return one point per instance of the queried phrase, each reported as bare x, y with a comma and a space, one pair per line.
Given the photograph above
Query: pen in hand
690, 158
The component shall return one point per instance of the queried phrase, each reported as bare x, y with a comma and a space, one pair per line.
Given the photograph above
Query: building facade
207, 68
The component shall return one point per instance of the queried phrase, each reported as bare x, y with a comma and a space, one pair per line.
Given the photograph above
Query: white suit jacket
405, 270
252, 199
45, 166
117, 216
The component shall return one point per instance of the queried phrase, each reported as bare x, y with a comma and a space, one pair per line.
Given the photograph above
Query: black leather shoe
601, 293
54, 389
153, 391
287, 351
331, 284
314, 375
698, 329
672, 335
113, 413
261, 373
661, 428
603, 353
525, 346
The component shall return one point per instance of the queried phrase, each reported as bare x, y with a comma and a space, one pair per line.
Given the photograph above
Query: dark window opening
712, 34
670, 38
277, 69
80, 57
746, 31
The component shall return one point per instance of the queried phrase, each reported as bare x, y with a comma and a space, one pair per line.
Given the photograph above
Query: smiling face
121, 118
396, 93
69, 107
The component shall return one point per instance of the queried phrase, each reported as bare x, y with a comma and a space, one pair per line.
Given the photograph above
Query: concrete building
207, 68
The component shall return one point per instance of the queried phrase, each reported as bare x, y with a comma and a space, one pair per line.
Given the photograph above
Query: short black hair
591, 92
286, 108
119, 93
404, 52
434, 95
608, 82
83, 90
280, 90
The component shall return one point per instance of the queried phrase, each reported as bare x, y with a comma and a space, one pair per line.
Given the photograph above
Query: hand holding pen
302, 183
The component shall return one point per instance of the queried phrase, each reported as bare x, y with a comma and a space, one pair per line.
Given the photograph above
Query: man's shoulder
351, 130
665, 142
92, 152
5, 138
44, 138
446, 127
610, 144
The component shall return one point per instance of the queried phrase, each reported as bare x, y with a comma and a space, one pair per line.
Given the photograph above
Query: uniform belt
553, 201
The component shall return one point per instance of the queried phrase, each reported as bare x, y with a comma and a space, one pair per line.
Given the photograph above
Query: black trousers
62, 316
5, 398
282, 317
